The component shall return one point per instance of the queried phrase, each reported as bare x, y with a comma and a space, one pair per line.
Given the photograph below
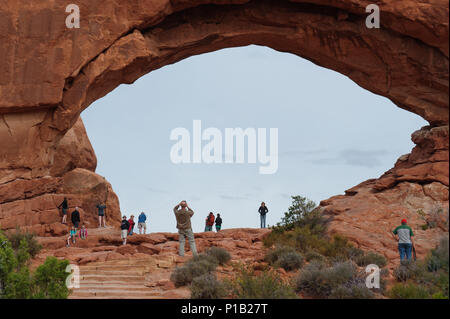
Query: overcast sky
332, 135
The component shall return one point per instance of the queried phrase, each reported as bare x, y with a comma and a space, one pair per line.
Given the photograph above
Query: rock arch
50, 73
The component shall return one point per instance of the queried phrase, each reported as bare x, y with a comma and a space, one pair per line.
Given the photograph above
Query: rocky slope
142, 268
418, 183
50, 74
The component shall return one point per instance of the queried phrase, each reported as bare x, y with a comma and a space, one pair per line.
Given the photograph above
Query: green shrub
408, 291
408, 270
221, 255
318, 281
197, 266
290, 261
16, 280
50, 279
267, 285
18, 236
207, 287
370, 258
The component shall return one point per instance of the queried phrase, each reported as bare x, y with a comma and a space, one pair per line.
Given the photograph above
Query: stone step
111, 287
84, 272
102, 278
115, 294
112, 268
115, 297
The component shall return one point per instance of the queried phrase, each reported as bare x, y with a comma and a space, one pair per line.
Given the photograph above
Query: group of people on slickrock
403, 234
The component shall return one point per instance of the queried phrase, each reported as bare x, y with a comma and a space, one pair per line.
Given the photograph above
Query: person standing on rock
64, 207
101, 215
142, 218
263, 210
183, 214
124, 226
218, 222
131, 223
403, 234
209, 222
75, 217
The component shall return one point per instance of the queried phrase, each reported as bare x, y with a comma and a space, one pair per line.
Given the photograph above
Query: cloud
155, 190
299, 152
354, 157
233, 197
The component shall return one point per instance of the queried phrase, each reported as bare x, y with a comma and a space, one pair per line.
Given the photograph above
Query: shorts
142, 225
218, 227
75, 224
124, 233
101, 214
64, 211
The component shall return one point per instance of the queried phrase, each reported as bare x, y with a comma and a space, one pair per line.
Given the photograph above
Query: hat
403, 221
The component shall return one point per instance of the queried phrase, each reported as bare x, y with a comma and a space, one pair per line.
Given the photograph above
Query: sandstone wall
49, 74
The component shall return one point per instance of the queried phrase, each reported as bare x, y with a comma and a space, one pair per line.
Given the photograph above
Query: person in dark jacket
263, 210
218, 222
75, 217
101, 215
124, 226
64, 207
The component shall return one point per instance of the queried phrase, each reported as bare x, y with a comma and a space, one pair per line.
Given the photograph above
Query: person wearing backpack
218, 223
263, 210
209, 222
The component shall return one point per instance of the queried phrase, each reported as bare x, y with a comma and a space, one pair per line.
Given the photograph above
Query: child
72, 235
83, 232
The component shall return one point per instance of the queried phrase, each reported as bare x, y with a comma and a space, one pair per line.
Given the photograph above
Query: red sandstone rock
149, 249
48, 77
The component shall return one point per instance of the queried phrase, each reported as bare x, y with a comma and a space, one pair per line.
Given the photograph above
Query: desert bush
439, 257
273, 255
290, 261
352, 291
312, 255
408, 270
16, 237
370, 258
207, 287
267, 285
285, 257
195, 267
221, 255
408, 291
318, 281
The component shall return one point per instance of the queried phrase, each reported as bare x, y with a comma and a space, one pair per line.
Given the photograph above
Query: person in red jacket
209, 222
131, 222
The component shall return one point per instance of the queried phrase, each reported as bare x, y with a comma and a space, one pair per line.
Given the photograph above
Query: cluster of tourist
183, 213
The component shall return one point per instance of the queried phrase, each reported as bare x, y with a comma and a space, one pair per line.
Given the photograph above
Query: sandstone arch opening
326, 145
51, 76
